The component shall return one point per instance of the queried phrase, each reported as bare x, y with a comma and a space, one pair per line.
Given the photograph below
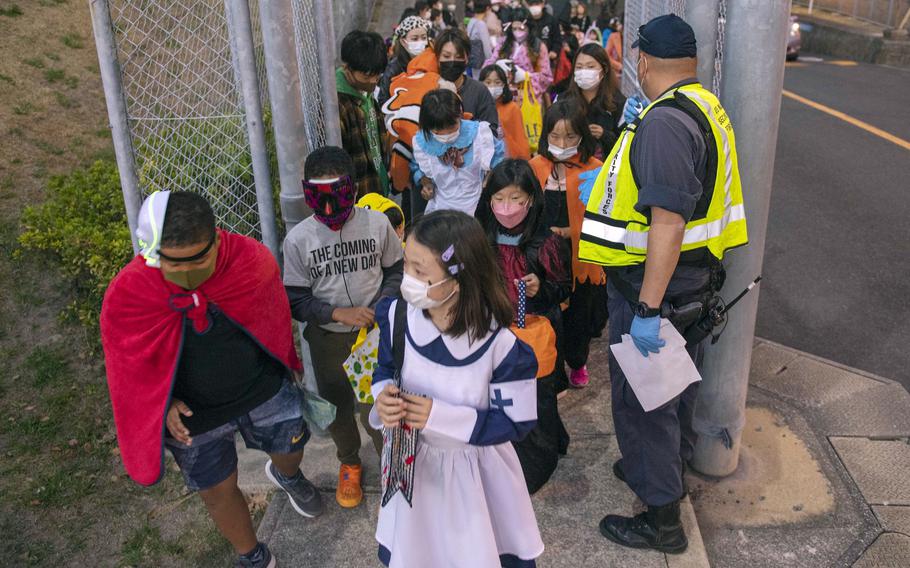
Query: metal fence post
106, 45
276, 19
752, 83
241, 32
328, 89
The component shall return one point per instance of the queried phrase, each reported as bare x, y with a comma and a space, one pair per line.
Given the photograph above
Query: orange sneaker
349, 494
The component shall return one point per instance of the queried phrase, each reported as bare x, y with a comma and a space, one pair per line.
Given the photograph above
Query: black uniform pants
653, 444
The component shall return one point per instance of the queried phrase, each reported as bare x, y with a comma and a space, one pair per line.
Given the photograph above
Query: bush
83, 225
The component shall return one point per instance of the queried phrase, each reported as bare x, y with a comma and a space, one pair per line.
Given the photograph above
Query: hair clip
455, 269
448, 253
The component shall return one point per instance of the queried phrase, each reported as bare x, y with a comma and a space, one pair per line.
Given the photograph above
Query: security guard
661, 213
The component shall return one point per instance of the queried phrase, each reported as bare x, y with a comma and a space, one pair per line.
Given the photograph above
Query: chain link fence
305, 37
185, 111
639, 12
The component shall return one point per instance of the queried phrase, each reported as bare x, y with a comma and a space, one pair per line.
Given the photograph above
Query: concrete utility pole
753, 74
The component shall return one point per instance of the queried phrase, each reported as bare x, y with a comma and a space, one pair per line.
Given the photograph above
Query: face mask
331, 200
415, 48
535, 10
587, 78
509, 214
190, 279
520, 35
495, 91
415, 293
452, 70
562, 154
451, 7
447, 138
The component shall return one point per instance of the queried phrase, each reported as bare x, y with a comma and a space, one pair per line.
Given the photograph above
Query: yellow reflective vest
613, 233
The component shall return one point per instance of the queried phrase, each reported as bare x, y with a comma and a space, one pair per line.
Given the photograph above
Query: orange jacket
513, 130
402, 113
614, 51
582, 271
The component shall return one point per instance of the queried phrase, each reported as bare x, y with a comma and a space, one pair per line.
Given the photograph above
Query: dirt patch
64, 499
777, 481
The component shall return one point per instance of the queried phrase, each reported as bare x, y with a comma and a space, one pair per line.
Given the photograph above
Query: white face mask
495, 91
562, 154
535, 10
415, 48
447, 138
587, 78
416, 293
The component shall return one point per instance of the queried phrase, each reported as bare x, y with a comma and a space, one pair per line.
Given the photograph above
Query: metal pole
116, 111
328, 91
752, 84
702, 16
459, 13
811, 4
241, 30
277, 23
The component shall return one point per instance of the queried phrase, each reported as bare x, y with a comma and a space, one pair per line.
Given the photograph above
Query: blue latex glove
645, 334
633, 107
587, 185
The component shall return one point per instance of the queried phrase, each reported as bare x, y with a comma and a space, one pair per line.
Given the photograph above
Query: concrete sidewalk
829, 33
568, 508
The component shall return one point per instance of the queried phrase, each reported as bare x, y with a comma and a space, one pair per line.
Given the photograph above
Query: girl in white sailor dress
468, 387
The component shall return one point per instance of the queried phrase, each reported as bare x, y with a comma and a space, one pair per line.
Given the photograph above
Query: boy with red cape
198, 345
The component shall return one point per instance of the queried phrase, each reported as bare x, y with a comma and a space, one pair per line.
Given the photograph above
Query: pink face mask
509, 214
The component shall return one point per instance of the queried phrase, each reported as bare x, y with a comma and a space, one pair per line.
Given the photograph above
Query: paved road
837, 262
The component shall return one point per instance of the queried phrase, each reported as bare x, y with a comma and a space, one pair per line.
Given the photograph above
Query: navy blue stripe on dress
385, 555
437, 351
519, 364
385, 363
512, 561
495, 427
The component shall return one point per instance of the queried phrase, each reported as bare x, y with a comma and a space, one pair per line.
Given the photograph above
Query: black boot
659, 528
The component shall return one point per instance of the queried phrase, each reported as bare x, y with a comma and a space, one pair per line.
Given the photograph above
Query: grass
48, 147
54, 75
35, 62
13, 11
65, 101
73, 41
24, 109
52, 56
46, 365
7, 79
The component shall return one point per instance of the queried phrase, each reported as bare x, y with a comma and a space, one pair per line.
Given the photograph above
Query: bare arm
664, 243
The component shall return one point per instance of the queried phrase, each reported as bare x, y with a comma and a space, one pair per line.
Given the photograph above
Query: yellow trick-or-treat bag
360, 363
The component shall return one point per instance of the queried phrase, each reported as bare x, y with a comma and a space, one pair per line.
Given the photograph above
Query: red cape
142, 333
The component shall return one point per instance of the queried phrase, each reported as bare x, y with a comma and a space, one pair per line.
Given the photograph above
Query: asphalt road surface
837, 263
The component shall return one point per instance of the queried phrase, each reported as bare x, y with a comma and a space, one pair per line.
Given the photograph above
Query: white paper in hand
660, 377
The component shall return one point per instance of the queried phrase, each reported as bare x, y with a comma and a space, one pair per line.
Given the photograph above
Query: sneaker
578, 378
260, 557
302, 494
349, 494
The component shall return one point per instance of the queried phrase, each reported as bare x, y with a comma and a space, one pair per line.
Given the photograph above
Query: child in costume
464, 391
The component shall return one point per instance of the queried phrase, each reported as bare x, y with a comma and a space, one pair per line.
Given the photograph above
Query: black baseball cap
666, 37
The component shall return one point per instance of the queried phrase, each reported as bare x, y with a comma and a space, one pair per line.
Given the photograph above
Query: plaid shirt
355, 142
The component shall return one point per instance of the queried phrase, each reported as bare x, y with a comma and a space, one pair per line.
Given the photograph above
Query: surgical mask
415, 48
535, 10
562, 154
452, 70
415, 292
509, 214
192, 278
495, 91
520, 35
587, 78
447, 138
